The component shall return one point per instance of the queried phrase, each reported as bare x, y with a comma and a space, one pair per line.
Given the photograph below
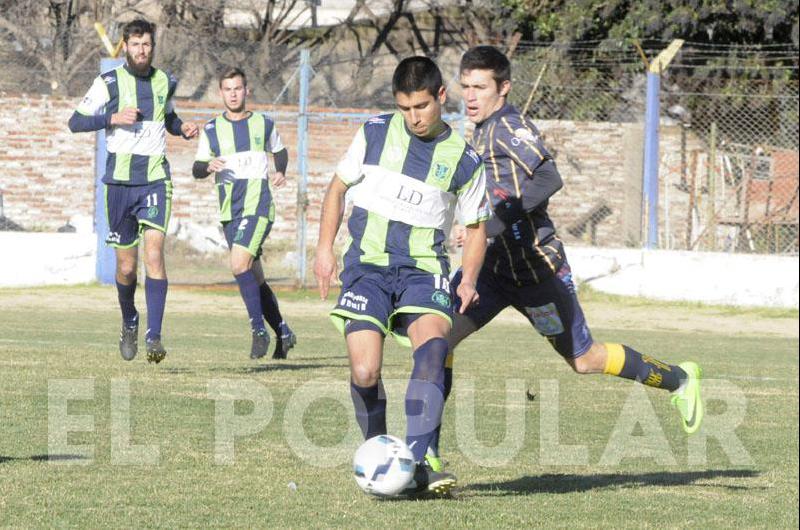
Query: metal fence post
302, 166
106, 263
650, 183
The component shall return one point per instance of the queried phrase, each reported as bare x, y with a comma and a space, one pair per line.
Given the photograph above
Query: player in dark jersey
234, 146
405, 173
133, 103
526, 266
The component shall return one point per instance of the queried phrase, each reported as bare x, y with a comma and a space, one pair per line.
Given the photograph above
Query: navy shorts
551, 306
249, 232
131, 209
391, 298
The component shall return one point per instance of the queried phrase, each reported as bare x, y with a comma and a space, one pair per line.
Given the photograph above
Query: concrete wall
713, 278
47, 171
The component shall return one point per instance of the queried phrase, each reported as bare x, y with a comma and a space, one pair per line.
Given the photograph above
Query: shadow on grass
571, 483
40, 458
277, 367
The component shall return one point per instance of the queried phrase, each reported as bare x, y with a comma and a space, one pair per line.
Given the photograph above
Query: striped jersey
136, 153
512, 149
405, 191
243, 144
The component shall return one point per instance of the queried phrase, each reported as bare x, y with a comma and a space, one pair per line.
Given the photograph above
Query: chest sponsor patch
545, 319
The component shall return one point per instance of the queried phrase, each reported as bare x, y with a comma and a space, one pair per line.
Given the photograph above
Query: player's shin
626, 362
425, 396
156, 298
126, 295
448, 386
369, 404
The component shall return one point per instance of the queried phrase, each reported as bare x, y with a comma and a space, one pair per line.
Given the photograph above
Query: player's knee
126, 270
590, 362
239, 267
365, 375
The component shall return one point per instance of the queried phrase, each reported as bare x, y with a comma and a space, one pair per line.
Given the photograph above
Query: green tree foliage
711, 21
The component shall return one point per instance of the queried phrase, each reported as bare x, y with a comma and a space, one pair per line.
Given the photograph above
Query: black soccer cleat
427, 482
129, 341
260, 344
284, 342
155, 351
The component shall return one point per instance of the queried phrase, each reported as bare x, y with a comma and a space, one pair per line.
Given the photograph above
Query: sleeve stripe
516, 158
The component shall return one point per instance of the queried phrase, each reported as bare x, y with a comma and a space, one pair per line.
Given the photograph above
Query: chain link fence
728, 135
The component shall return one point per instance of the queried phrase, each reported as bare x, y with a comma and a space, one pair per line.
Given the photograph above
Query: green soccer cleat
427, 482
155, 351
434, 461
687, 398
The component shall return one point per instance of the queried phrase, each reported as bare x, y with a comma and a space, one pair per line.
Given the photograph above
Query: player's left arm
474, 210
521, 142
279, 155
174, 125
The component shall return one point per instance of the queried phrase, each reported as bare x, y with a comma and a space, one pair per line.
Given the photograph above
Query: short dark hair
487, 58
137, 28
417, 73
230, 72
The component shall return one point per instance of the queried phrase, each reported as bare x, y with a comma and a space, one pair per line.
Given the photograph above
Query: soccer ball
383, 466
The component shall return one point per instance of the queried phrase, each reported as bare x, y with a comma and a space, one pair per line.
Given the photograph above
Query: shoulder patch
473, 155
108, 78
526, 135
376, 120
210, 125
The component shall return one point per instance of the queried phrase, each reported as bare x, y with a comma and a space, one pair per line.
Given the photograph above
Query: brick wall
47, 171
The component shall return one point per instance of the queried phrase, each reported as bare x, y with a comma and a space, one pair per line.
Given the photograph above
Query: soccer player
526, 266
234, 147
133, 103
405, 172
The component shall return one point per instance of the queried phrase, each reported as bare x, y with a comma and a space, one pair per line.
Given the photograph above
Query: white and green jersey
136, 153
243, 146
405, 191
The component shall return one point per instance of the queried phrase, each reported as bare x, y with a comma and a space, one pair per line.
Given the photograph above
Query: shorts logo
546, 319
160, 100
441, 298
152, 212
354, 301
440, 171
240, 231
258, 141
113, 237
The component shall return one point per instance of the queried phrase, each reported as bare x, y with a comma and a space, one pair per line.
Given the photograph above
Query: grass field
51, 338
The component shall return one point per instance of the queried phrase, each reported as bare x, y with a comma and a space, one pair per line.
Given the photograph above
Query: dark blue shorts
550, 306
391, 298
131, 209
249, 232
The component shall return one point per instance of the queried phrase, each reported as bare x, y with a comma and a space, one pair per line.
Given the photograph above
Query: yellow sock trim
448, 362
615, 358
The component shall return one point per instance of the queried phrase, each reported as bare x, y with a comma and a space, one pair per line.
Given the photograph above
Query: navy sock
448, 386
624, 361
425, 396
252, 298
269, 308
155, 292
125, 295
370, 406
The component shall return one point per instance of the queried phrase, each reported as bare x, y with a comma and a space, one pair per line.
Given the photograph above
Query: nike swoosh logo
690, 422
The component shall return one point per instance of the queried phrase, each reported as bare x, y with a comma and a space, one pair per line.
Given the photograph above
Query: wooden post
711, 230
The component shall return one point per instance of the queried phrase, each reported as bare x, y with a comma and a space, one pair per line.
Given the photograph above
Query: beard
140, 70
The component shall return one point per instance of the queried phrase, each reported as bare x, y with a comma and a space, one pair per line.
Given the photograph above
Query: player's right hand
216, 165
324, 270
126, 116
